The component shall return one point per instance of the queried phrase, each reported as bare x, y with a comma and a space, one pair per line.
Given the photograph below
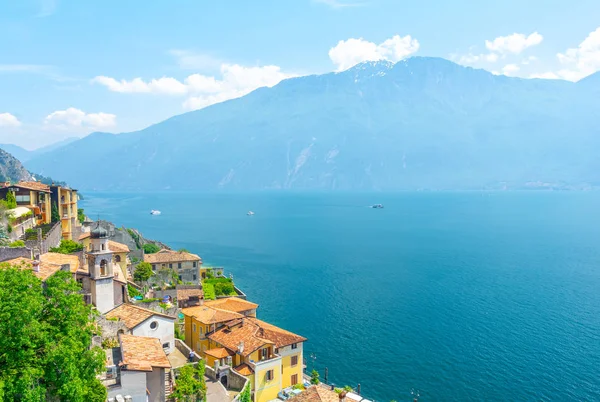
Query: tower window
103, 268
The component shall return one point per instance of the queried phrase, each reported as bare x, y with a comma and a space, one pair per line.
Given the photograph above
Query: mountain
11, 169
422, 123
24, 155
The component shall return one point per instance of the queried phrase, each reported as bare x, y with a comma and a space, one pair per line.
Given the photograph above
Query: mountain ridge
421, 123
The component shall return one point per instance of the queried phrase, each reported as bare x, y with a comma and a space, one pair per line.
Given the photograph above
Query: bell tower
100, 266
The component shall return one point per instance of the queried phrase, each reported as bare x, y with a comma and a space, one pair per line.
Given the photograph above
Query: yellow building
33, 195
187, 265
65, 199
210, 316
270, 357
227, 334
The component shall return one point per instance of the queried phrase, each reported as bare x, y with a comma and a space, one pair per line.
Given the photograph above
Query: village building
64, 199
33, 195
187, 265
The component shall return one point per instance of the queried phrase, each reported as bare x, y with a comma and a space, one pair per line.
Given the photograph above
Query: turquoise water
462, 296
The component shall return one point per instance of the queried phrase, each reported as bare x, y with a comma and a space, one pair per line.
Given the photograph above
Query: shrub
178, 333
17, 243
314, 377
109, 343
143, 272
151, 248
80, 215
209, 291
224, 289
67, 247
11, 200
298, 386
133, 292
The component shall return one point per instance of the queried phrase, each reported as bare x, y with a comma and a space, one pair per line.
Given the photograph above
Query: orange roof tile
141, 353
132, 315
170, 256
61, 259
117, 247
244, 369
316, 394
185, 294
46, 269
209, 315
247, 332
234, 304
219, 353
33, 185
280, 337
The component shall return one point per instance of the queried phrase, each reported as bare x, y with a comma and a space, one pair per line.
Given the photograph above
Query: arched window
117, 258
103, 268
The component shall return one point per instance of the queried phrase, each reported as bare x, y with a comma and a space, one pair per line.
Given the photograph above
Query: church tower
100, 266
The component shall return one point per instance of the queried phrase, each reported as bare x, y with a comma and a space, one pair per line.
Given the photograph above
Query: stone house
187, 265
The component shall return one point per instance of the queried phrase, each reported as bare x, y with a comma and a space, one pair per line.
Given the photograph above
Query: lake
461, 296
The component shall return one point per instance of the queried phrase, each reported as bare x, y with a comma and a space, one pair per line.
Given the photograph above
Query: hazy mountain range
422, 123
24, 155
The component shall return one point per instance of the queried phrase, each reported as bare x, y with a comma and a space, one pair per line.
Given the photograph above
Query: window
166, 345
294, 360
102, 246
194, 327
117, 258
195, 277
103, 268
264, 353
295, 379
179, 265
154, 325
294, 346
180, 278
269, 375
22, 198
154, 267
170, 265
194, 264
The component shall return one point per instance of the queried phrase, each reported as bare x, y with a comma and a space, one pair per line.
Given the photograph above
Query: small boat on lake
155, 212
250, 213
377, 206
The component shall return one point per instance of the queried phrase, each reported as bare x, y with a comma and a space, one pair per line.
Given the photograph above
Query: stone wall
8, 253
236, 381
109, 329
19, 230
155, 306
52, 239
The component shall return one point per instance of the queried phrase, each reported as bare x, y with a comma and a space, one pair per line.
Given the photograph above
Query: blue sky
68, 68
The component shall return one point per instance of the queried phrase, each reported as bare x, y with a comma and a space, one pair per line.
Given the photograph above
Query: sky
69, 68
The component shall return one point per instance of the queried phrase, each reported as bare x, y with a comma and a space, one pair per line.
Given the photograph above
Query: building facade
187, 265
33, 195
65, 199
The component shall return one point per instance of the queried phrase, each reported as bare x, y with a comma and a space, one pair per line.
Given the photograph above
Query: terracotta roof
60, 259
84, 235
234, 304
170, 256
141, 353
117, 247
46, 268
246, 331
219, 353
185, 294
244, 369
316, 394
132, 315
32, 185
279, 336
209, 315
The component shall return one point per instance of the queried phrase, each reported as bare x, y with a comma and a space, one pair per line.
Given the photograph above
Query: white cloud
348, 53
510, 69
514, 43
73, 119
203, 90
9, 120
583, 60
164, 85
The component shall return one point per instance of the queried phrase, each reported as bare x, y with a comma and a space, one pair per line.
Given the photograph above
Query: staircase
168, 383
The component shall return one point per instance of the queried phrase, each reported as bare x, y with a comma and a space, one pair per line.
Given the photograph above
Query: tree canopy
151, 248
45, 337
67, 247
190, 385
11, 200
143, 272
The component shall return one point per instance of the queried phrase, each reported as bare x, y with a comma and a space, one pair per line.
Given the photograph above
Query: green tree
143, 272
67, 247
54, 214
314, 377
245, 394
151, 248
45, 334
80, 215
11, 200
183, 250
190, 385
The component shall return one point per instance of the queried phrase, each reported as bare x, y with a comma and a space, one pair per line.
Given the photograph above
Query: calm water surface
463, 296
